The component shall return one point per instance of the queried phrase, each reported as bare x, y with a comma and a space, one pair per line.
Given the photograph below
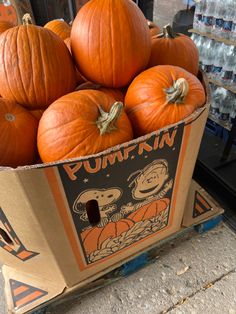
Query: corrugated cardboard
141, 189
25, 292
200, 206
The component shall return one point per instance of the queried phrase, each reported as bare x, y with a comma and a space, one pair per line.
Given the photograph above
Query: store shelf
220, 122
230, 88
212, 36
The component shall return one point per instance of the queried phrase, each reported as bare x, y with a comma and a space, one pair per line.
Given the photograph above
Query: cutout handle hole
6, 238
93, 212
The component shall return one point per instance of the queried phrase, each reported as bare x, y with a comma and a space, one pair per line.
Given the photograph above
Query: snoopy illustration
106, 199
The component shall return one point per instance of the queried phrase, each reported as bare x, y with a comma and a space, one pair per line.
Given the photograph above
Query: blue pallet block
208, 225
134, 265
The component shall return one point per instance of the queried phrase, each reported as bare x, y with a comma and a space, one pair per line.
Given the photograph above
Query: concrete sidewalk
194, 275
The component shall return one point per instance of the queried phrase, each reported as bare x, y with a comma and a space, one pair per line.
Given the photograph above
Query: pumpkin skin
148, 102
79, 78
93, 238
60, 28
18, 135
37, 114
110, 58
150, 210
153, 28
114, 93
31, 73
174, 49
4, 25
68, 128
8, 13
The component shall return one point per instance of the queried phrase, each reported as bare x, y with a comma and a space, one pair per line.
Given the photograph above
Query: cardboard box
14, 10
200, 206
137, 190
25, 292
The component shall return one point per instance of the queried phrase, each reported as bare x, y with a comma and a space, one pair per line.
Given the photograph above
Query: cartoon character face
150, 180
104, 197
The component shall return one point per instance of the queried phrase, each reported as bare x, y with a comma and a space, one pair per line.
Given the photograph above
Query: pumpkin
174, 49
59, 27
82, 123
110, 42
37, 114
4, 25
8, 13
94, 237
161, 96
18, 135
79, 78
153, 28
150, 210
37, 68
114, 93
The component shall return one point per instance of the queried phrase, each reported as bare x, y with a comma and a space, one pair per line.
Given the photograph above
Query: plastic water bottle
232, 114
208, 56
218, 61
225, 107
208, 16
199, 42
228, 18
233, 82
219, 14
229, 63
194, 38
198, 16
218, 97
233, 30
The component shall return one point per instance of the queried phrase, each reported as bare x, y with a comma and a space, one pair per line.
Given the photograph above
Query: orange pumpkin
82, 123
150, 210
8, 13
37, 114
161, 96
110, 41
4, 25
94, 237
59, 27
153, 28
79, 78
37, 68
114, 93
18, 135
174, 49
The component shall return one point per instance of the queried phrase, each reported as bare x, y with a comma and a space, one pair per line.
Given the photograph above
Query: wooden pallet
130, 267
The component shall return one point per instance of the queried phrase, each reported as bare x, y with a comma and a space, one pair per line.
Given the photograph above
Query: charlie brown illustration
150, 185
106, 199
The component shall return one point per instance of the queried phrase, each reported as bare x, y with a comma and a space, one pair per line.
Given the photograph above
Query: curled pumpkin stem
178, 92
106, 121
167, 33
26, 19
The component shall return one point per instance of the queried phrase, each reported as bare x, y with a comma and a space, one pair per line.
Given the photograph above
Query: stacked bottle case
214, 33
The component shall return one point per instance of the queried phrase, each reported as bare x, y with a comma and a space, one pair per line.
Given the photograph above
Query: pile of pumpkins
72, 91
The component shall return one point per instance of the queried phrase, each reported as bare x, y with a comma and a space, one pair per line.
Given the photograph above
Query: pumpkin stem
177, 92
167, 33
26, 19
106, 121
150, 24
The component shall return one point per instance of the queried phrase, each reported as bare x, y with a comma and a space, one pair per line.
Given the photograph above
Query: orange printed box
138, 192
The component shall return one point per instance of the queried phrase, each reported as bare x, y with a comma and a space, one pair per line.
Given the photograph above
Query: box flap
25, 293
